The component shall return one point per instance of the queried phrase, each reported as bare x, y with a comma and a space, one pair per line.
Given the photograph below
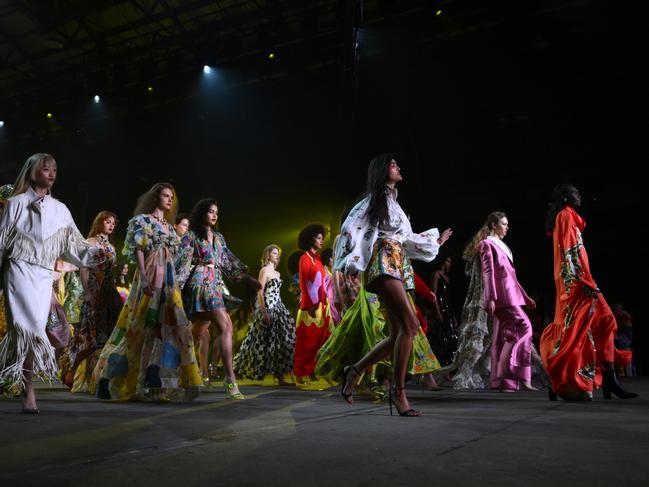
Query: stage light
149, 89
2, 123
207, 69
438, 13
49, 115
96, 98
271, 55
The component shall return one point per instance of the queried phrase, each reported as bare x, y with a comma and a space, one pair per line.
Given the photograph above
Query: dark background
483, 112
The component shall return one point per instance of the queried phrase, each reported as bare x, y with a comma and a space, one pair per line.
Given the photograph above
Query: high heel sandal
229, 386
343, 382
27, 410
410, 413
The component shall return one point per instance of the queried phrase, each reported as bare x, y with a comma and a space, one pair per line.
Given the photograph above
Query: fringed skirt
28, 292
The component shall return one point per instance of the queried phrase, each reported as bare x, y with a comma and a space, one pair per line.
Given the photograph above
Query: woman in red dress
577, 347
314, 316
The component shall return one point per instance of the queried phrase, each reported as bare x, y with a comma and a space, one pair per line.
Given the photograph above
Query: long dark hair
197, 217
377, 174
558, 202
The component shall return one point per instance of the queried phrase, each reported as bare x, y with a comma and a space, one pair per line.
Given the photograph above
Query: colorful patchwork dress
150, 352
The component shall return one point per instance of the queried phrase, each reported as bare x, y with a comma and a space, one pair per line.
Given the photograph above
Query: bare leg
29, 396
403, 328
204, 345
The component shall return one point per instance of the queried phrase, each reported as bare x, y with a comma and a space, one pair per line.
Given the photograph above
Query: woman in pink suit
504, 299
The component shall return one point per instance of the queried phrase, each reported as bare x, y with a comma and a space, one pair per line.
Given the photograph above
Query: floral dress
268, 347
99, 317
201, 267
150, 351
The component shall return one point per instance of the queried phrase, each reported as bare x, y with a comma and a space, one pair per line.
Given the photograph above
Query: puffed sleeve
353, 248
229, 263
422, 246
138, 236
77, 250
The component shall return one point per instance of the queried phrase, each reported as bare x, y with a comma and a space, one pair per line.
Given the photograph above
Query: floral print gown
151, 350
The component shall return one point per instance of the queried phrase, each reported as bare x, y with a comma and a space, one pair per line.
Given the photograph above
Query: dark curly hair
197, 217
308, 233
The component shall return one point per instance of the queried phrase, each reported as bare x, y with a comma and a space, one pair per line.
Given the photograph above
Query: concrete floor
280, 437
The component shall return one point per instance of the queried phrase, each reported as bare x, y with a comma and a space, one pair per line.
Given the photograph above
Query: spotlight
207, 69
49, 115
271, 55
96, 98
149, 89
2, 123
438, 13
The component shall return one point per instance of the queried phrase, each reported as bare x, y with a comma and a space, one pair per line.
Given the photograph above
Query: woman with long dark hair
376, 238
204, 259
577, 347
35, 230
150, 353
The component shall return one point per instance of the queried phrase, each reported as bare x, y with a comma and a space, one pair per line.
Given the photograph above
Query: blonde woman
270, 343
35, 230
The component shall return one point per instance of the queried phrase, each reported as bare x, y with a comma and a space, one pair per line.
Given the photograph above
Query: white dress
34, 232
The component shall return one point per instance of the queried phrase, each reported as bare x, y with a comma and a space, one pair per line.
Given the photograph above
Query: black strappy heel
343, 382
409, 413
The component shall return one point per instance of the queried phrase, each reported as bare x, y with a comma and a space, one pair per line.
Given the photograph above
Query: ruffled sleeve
139, 235
229, 263
353, 249
422, 246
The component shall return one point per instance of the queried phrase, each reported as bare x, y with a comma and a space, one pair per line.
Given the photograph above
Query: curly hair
147, 202
492, 219
197, 217
308, 233
97, 224
325, 255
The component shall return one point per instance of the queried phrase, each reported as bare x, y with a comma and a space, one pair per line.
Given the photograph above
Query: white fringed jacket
40, 229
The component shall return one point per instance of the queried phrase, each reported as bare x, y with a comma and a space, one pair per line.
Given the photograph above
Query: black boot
611, 385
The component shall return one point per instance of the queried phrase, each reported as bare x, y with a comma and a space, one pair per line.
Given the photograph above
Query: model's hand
531, 303
148, 287
491, 307
431, 297
446, 234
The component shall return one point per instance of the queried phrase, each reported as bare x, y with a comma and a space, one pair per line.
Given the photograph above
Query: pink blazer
499, 278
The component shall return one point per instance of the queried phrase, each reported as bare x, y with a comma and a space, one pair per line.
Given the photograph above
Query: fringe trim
14, 350
54, 246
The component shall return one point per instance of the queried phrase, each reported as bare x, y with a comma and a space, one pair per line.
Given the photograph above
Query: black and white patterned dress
268, 347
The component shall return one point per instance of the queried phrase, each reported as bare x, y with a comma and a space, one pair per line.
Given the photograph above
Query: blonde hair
98, 223
492, 219
27, 174
148, 201
265, 255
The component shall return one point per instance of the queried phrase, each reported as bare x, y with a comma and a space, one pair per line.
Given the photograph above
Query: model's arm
488, 279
